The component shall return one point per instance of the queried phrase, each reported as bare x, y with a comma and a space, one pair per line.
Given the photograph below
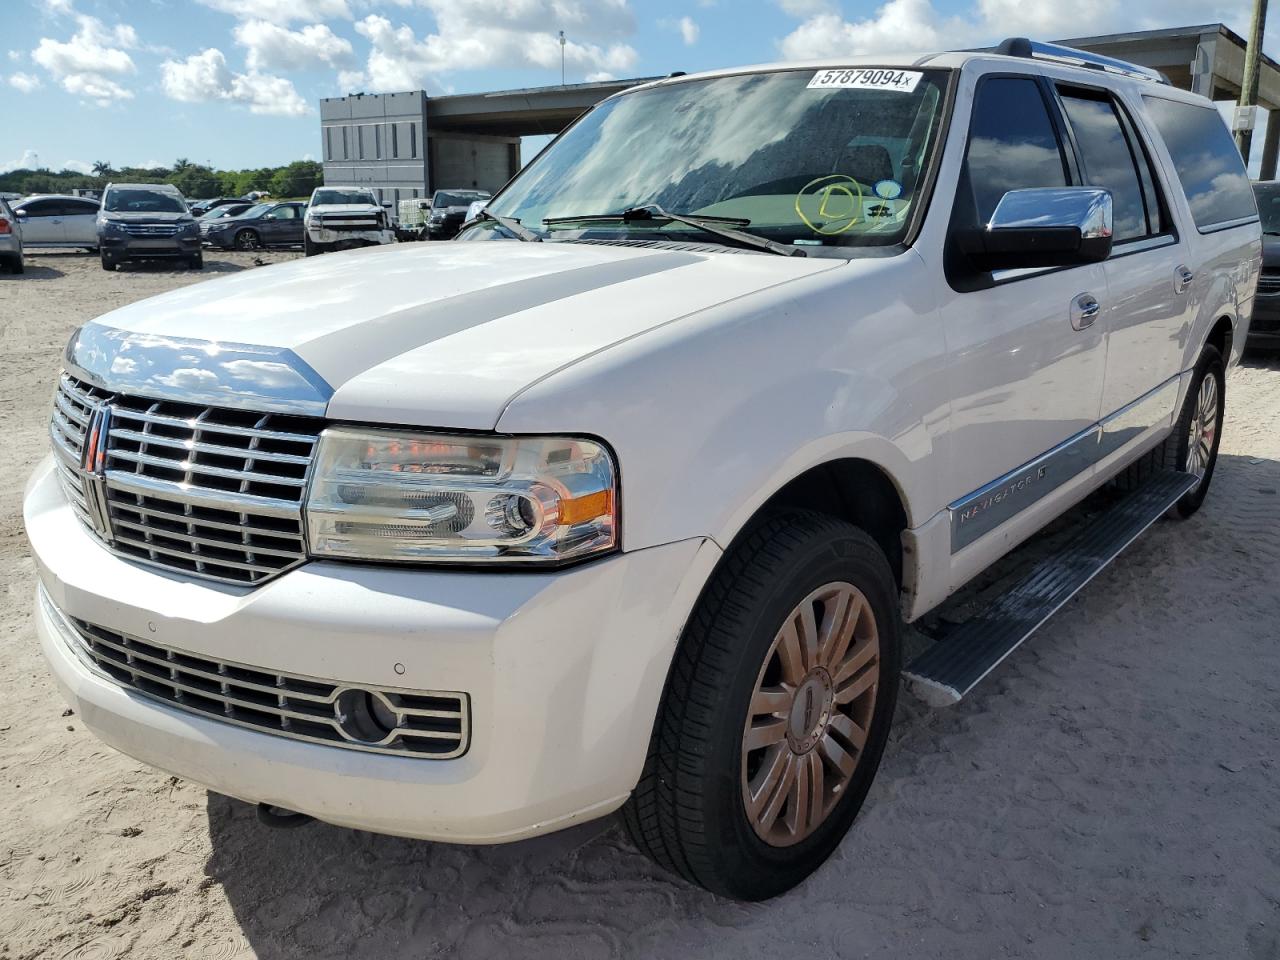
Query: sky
235, 83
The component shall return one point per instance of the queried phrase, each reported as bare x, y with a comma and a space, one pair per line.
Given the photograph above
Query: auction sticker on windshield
873, 78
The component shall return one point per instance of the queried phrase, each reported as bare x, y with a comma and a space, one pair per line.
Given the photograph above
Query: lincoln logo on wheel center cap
810, 711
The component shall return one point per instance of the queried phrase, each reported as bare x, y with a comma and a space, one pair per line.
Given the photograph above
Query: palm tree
102, 168
182, 163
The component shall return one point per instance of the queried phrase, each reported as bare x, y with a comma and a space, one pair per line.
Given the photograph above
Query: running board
953, 666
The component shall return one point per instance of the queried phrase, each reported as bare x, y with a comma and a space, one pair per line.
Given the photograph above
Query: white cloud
906, 26
351, 81
15, 55
687, 26
24, 82
600, 76
92, 62
149, 165
204, 77
28, 161
79, 166
898, 26
58, 6
473, 34
273, 47
283, 11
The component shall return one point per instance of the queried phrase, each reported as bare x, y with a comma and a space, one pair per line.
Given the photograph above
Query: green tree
102, 168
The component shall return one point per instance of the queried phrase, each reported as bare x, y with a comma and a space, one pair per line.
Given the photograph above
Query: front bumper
126, 248
326, 236
563, 669
1264, 327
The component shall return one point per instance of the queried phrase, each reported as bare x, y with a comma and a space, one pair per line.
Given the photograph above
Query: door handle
1084, 310
1182, 279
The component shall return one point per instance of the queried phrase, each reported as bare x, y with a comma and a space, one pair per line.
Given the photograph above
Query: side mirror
1044, 227
21, 213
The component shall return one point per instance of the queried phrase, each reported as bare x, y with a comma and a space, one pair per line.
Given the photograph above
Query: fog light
365, 716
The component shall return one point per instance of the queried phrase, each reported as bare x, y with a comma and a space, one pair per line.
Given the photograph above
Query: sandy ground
1112, 791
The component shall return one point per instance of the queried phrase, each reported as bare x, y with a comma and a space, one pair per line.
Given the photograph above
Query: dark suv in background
144, 221
449, 212
1265, 330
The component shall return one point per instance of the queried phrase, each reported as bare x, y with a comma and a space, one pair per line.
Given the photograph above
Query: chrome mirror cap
1087, 209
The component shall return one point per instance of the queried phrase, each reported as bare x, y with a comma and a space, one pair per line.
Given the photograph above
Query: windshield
143, 201
343, 196
825, 158
1268, 197
458, 199
257, 210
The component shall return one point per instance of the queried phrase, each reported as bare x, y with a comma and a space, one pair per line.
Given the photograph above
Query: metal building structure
1208, 59
407, 145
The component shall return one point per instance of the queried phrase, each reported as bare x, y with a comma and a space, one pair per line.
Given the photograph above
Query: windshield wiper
515, 227
719, 226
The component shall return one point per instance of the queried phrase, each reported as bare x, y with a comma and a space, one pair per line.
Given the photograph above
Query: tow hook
282, 819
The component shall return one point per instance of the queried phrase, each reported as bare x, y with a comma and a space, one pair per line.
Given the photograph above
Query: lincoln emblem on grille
93, 466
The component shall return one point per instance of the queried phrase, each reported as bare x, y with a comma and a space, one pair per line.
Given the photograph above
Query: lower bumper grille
429, 724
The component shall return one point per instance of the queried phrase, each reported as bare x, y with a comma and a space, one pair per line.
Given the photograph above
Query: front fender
712, 414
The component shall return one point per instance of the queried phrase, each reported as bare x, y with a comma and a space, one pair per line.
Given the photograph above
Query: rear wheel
1192, 445
248, 240
776, 711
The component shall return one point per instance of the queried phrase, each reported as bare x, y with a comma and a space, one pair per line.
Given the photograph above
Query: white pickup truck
621, 502
341, 218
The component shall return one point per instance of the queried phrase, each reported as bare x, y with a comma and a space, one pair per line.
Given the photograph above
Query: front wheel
108, 263
196, 262
309, 248
248, 240
776, 711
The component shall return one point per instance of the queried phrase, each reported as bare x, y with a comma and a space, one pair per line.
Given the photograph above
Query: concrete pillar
1270, 146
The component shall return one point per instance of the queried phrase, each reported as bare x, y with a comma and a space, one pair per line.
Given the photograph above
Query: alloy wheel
248, 240
810, 714
1204, 428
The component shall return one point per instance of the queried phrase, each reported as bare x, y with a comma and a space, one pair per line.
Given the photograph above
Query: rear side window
1012, 143
1206, 160
1109, 160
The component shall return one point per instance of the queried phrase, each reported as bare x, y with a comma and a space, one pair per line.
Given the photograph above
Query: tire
690, 810
108, 263
310, 248
248, 240
16, 265
196, 262
1173, 451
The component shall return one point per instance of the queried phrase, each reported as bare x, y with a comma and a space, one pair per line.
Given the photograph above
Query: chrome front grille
150, 229
418, 723
209, 491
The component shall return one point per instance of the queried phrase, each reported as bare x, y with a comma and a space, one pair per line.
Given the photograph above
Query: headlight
386, 495
109, 226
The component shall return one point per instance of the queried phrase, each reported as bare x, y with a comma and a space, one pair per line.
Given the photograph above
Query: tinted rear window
1207, 161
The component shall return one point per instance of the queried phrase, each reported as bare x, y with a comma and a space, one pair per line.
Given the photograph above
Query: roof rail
1034, 49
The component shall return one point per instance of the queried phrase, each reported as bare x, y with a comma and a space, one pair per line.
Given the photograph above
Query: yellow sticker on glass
830, 205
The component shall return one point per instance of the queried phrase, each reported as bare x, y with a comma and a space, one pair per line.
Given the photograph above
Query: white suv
341, 218
623, 503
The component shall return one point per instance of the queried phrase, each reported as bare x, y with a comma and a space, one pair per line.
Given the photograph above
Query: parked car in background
339, 218
10, 240
221, 213
1264, 332
621, 503
262, 225
449, 211
145, 221
56, 220
200, 207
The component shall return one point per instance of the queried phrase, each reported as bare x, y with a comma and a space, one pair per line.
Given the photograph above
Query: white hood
446, 334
